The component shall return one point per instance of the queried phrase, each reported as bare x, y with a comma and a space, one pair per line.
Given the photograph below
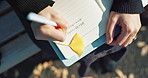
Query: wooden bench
15, 45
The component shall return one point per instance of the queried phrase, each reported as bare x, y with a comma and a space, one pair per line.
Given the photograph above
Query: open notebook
88, 18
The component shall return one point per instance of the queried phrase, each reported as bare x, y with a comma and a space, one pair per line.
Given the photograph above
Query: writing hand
130, 25
48, 32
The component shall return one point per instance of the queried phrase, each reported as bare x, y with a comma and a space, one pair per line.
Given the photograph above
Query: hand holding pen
48, 25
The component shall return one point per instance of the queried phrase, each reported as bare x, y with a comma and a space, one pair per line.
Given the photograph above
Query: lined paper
83, 17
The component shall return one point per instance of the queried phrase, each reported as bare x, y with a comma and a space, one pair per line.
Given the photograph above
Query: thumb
110, 29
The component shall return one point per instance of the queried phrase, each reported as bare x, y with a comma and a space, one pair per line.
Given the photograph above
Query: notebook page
83, 17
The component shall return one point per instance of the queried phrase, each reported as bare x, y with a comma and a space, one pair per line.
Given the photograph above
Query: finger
57, 35
110, 30
121, 38
49, 33
129, 40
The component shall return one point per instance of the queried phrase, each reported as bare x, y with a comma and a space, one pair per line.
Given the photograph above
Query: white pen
40, 19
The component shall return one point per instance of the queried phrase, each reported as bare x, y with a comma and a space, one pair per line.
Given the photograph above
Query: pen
40, 19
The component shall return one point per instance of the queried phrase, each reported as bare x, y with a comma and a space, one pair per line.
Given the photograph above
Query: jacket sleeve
127, 6
26, 6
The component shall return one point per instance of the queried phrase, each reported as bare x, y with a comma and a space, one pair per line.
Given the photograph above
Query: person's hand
48, 32
130, 25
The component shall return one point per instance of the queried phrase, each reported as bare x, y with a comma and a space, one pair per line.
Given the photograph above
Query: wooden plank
10, 26
4, 7
16, 51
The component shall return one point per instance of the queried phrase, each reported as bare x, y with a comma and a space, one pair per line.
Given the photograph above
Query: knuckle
129, 30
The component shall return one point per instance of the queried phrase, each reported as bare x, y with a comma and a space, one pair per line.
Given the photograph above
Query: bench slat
16, 51
4, 7
10, 26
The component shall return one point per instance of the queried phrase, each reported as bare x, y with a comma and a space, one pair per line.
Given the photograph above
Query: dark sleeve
26, 6
127, 6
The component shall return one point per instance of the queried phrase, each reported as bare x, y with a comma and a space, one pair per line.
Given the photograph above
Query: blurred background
21, 58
